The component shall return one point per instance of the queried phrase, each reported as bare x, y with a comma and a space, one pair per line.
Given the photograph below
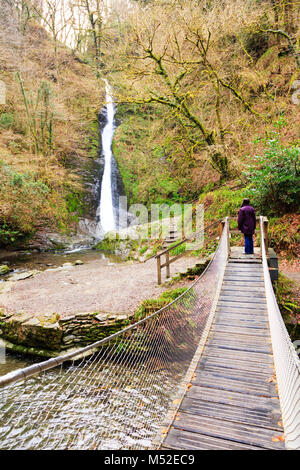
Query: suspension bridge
215, 369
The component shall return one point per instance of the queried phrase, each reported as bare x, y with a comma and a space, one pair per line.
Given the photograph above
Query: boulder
4, 269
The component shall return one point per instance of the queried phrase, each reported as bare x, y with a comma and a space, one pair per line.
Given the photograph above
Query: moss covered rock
4, 269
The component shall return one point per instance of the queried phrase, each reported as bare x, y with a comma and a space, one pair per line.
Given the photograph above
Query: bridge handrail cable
21, 374
286, 360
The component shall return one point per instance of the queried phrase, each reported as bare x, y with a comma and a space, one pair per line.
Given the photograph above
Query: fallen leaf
278, 438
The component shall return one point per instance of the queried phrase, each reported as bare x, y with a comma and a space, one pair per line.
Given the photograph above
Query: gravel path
96, 286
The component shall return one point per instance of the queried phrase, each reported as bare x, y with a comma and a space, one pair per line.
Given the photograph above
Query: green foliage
8, 235
75, 202
152, 305
26, 201
275, 177
178, 250
6, 120
222, 202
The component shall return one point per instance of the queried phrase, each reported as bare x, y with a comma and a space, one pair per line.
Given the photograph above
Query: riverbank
64, 302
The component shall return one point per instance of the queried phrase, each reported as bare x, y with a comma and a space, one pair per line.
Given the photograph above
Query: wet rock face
48, 335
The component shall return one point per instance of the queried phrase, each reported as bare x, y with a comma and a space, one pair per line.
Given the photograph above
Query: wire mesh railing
286, 360
118, 397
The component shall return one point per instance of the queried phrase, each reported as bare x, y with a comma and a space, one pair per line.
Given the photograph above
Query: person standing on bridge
247, 225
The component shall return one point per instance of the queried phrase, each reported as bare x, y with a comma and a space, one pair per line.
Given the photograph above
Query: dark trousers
249, 244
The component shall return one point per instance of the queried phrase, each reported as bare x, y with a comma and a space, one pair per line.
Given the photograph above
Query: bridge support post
265, 229
167, 263
273, 264
158, 270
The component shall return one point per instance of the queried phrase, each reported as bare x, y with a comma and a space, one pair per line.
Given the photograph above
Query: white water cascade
105, 209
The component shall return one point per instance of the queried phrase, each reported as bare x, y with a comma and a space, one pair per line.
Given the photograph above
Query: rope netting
119, 396
286, 360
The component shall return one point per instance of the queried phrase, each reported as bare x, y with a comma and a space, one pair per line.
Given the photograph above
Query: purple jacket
247, 220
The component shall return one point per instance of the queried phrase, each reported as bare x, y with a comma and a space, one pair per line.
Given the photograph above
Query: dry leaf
278, 438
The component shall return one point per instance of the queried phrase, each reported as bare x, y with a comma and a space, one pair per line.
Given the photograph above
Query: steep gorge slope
48, 133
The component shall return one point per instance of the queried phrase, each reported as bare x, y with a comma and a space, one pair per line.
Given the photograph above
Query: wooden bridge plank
234, 288
179, 439
219, 428
229, 357
247, 321
244, 275
246, 325
260, 418
235, 269
233, 292
239, 384
242, 330
236, 365
233, 398
243, 284
234, 309
242, 298
262, 374
227, 303
226, 337
241, 311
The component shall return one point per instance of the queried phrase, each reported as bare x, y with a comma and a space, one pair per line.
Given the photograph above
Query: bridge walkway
233, 401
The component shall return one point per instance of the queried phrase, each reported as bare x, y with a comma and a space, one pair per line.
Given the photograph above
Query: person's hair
246, 202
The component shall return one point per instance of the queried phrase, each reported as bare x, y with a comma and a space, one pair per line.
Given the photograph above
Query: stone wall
50, 336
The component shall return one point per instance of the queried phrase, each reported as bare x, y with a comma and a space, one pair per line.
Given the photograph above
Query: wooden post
228, 234
265, 234
167, 263
158, 270
221, 227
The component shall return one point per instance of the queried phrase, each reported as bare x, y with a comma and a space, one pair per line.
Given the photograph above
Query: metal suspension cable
118, 397
287, 363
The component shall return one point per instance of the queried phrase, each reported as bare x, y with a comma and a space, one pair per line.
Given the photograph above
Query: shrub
275, 178
6, 120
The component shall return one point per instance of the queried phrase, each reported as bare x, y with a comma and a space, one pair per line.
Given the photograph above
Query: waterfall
105, 211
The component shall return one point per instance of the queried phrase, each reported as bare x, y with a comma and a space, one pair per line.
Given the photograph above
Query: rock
4, 269
78, 262
21, 276
67, 265
122, 317
69, 339
101, 317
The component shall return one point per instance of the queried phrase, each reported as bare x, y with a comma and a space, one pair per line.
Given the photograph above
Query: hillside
48, 134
